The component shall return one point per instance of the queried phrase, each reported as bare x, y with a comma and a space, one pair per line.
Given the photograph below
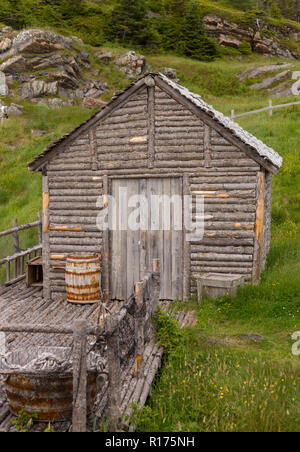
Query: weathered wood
114, 380
106, 250
199, 291
79, 377
207, 147
139, 329
259, 227
46, 244
151, 126
186, 248
19, 228
216, 126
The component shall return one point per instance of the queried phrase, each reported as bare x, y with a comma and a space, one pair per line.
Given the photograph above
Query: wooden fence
20, 257
141, 305
270, 109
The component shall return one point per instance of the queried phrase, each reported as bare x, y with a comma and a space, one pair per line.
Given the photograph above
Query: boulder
90, 102
170, 73
3, 112
260, 47
5, 45
262, 70
228, 41
59, 103
39, 88
16, 64
272, 80
15, 110
65, 80
40, 41
131, 64
38, 133
3, 85
107, 56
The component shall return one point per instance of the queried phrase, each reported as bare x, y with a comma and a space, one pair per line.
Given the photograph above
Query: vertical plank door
133, 250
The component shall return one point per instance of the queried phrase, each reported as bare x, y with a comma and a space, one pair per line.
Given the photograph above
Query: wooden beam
106, 250
186, 247
46, 243
80, 377
259, 228
151, 126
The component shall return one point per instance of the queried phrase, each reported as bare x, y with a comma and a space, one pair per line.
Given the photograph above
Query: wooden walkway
19, 304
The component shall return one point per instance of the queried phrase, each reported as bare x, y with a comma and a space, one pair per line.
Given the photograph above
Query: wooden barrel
83, 278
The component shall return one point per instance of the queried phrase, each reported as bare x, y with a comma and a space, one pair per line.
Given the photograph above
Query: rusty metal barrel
83, 278
49, 394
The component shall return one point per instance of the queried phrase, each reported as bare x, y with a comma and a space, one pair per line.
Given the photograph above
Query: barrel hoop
83, 274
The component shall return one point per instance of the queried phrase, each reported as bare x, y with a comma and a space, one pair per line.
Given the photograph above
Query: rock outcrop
131, 64
43, 66
230, 34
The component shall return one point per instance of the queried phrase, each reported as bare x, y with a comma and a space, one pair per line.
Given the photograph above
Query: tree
194, 42
129, 22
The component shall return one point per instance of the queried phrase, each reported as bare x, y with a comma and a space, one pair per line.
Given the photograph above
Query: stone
38, 133
39, 88
271, 80
15, 110
262, 48
253, 337
5, 45
15, 64
107, 56
227, 41
93, 103
59, 103
262, 70
3, 113
85, 56
64, 79
3, 85
6, 30
40, 41
170, 73
131, 64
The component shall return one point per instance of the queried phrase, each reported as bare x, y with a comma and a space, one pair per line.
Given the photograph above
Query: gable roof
254, 147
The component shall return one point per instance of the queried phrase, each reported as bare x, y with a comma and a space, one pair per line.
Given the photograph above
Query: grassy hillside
203, 385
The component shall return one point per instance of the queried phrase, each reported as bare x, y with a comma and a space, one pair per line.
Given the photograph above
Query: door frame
107, 236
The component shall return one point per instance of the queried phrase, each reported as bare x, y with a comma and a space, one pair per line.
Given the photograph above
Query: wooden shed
156, 137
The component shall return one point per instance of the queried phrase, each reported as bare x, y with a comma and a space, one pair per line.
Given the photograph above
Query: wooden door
132, 251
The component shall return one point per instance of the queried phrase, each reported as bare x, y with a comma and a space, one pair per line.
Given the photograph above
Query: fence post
114, 373
155, 292
79, 376
232, 114
16, 238
139, 291
40, 228
271, 107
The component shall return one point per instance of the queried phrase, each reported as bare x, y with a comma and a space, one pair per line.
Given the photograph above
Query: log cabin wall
74, 186
151, 134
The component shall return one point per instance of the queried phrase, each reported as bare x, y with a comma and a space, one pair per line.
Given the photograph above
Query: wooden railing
270, 109
16, 263
141, 305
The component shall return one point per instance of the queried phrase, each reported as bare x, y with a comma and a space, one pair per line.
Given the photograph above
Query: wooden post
17, 264
40, 228
186, 246
46, 242
271, 107
7, 272
232, 114
114, 373
79, 376
106, 268
199, 291
155, 290
259, 228
139, 291
151, 121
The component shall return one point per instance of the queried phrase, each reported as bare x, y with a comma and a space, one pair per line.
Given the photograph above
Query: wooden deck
19, 304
